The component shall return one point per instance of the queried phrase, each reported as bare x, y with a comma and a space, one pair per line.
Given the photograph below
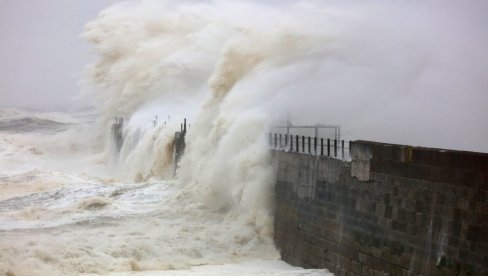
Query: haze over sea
71, 203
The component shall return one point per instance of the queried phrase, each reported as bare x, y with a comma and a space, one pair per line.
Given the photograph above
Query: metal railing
288, 126
334, 148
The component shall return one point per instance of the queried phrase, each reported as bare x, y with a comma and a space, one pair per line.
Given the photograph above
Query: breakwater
391, 209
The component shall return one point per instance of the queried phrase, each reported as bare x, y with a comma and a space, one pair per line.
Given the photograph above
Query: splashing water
71, 204
64, 213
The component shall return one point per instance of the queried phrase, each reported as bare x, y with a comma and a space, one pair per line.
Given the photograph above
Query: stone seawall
392, 210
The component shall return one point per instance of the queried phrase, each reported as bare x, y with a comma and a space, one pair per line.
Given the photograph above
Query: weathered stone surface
394, 210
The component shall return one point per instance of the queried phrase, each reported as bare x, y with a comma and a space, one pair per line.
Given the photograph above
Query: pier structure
389, 210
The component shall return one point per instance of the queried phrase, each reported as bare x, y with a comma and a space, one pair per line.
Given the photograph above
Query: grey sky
41, 54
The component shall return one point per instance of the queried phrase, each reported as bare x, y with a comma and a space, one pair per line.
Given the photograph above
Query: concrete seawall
393, 209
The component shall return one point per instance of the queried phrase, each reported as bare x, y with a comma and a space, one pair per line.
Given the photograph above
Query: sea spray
226, 166
232, 76
394, 72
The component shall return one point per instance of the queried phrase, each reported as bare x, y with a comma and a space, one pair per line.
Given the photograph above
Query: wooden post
309, 145
315, 145
321, 146
335, 147
350, 145
291, 143
117, 129
276, 140
303, 143
298, 143
342, 148
328, 147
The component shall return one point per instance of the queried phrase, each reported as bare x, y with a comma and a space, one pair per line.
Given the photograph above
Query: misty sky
42, 56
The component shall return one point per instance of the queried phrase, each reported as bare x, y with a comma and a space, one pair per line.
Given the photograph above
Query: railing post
342, 148
280, 141
297, 140
303, 143
309, 145
315, 145
276, 140
335, 147
350, 149
328, 147
286, 140
291, 143
321, 146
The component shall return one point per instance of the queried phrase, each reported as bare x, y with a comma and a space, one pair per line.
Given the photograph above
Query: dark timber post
349, 149
291, 143
335, 147
179, 144
309, 145
321, 146
280, 141
315, 145
276, 140
117, 129
298, 143
303, 143
328, 147
286, 140
342, 148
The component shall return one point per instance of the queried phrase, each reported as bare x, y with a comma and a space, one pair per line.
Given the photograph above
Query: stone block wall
392, 210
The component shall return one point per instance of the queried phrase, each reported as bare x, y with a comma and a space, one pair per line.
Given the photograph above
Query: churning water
70, 203
63, 213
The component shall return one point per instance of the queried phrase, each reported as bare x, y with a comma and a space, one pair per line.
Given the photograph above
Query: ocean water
71, 203
62, 212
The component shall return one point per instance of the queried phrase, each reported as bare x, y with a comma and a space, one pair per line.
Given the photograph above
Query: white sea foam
71, 204
63, 213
